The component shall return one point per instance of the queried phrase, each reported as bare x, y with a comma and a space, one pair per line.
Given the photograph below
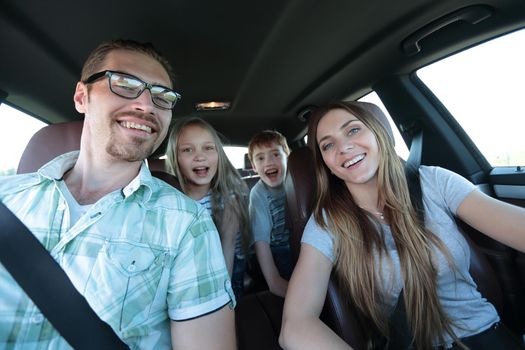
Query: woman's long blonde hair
227, 187
357, 239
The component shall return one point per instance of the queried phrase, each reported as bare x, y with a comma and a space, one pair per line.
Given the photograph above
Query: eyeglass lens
130, 87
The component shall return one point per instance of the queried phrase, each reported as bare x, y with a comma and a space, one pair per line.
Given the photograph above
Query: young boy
268, 152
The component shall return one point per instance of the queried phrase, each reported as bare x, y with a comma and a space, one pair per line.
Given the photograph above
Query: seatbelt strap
412, 175
48, 286
400, 333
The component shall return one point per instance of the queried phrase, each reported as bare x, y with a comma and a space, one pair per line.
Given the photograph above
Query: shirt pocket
124, 283
130, 258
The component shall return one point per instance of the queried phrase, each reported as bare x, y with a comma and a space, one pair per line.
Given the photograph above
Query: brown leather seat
300, 192
159, 170
56, 139
337, 313
48, 143
258, 319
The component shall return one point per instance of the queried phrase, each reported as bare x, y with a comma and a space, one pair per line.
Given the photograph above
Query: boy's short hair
266, 138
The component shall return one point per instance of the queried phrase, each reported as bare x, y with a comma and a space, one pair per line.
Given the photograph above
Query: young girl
196, 157
364, 225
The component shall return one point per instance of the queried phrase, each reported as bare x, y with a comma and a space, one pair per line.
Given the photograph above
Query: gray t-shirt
267, 215
443, 192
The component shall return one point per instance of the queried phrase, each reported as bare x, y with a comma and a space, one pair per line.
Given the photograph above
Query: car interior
271, 63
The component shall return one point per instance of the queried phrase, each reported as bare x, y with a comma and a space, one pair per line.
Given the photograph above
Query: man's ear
80, 97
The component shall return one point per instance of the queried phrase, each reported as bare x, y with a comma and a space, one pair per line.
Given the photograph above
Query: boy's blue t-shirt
267, 216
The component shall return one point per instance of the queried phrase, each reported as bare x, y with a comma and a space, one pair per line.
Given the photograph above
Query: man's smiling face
123, 129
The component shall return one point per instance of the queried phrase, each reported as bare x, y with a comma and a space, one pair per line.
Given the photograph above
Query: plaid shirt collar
56, 168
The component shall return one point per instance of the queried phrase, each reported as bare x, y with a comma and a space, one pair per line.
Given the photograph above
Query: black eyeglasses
130, 87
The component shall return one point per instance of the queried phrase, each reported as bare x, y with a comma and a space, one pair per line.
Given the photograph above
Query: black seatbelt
48, 286
412, 175
400, 332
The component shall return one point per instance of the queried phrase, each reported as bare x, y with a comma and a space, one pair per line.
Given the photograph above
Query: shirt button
38, 318
61, 206
132, 268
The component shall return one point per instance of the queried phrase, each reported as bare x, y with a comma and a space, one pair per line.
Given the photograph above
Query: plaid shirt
141, 256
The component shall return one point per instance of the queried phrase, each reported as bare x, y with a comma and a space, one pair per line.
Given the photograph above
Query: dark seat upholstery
159, 170
337, 313
258, 321
56, 139
300, 192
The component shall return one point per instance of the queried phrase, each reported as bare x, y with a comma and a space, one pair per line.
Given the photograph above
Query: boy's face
269, 161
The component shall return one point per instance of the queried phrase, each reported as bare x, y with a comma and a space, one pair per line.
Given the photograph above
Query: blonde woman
364, 225
196, 156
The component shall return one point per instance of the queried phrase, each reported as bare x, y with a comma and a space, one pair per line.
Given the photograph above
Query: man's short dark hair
97, 56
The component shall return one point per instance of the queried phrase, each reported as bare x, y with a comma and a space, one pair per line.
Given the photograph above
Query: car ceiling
270, 58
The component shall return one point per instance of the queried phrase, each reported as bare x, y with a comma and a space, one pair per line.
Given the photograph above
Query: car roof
271, 59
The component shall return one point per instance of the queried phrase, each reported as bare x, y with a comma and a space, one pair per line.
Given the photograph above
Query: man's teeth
353, 161
131, 125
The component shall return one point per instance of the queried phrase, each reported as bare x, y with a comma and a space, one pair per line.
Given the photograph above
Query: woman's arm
502, 221
301, 327
228, 232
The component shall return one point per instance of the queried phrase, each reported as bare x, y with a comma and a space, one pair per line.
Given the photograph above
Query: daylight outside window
401, 147
16, 137
236, 155
483, 88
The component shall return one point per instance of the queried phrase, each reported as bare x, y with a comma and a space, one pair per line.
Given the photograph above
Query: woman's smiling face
348, 147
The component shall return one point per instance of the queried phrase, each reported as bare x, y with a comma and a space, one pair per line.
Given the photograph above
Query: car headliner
271, 59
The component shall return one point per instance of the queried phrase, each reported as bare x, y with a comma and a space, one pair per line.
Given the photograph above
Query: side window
18, 129
236, 155
483, 89
401, 147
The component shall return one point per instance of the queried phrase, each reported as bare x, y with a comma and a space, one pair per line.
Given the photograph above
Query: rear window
236, 155
401, 146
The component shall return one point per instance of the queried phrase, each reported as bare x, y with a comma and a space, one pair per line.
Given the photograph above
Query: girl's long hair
358, 240
227, 187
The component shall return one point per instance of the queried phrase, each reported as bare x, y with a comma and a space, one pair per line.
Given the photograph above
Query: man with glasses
147, 259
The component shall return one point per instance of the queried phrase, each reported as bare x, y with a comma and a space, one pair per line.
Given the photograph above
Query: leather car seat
300, 192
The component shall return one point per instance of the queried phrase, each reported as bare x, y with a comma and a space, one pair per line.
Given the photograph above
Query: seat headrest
247, 163
300, 191
157, 164
158, 169
48, 143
